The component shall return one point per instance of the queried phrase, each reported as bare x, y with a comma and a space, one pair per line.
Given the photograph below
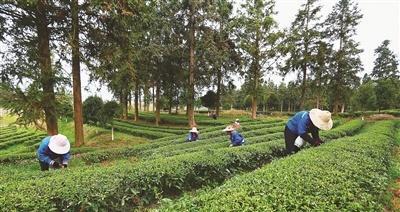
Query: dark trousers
289, 141
44, 166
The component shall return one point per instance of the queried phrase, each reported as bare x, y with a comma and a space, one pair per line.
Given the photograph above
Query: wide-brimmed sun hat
59, 144
321, 119
194, 130
229, 128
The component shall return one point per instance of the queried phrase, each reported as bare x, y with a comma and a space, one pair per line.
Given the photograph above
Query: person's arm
65, 159
42, 152
302, 130
315, 134
307, 138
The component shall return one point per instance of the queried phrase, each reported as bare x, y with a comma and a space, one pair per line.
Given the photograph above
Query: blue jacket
299, 123
236, 138
46, 155
192, 137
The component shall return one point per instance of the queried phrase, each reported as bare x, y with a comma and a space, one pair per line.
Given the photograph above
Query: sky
381, 20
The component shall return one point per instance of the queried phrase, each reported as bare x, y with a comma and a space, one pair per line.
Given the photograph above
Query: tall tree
386, 64
220, 47
191, 44
341, 28
33, 28
302, 44
113, 47
76, 75
257, 38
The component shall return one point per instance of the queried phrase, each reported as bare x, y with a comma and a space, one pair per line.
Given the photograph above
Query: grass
99, 137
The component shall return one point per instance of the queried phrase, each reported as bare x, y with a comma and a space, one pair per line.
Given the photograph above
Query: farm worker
54, 152
193, 135
235, 137
236, 124
304, 122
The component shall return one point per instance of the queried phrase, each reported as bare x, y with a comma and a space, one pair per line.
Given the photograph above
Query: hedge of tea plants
350, 174
122, 187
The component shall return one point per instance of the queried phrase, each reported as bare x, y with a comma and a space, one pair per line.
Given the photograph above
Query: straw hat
321, 119
194, 130
59, 144
229, 128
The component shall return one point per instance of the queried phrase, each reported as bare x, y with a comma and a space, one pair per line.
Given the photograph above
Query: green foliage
209, 100
125, 186
388, 93
108, 112
340, 27
92, 108
311, 180
365, 97
386, 64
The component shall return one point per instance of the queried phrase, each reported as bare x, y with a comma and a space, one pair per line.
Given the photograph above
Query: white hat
321, 119
228, 128
237, 120
194, 130
59, 144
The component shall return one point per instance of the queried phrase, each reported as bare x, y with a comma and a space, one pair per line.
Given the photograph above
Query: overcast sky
381, 21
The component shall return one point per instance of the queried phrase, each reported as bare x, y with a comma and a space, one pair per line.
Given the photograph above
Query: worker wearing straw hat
54, 152
302, 123
235, 137
193, 135
236, 124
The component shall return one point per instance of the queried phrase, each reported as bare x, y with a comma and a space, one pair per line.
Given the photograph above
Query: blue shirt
299, 123
46, 155
192, 137
236, 138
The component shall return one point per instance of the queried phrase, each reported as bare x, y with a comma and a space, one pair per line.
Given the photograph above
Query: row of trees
173, 49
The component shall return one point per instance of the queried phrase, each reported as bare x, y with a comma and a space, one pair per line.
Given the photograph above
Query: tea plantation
351, 171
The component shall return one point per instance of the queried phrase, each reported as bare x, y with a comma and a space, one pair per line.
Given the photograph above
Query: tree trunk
129, 101
136, 97
47, 75
343, 107
281, 106
153, 98
303, 86
335, 105
191, 42
146, 97
140, 99
123, 100
219, 82
171, 99
112, 132
76, 75
253, 107
177, 105
158, 105
126, 103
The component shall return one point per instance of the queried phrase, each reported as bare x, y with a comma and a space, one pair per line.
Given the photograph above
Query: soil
396, 196
377, 117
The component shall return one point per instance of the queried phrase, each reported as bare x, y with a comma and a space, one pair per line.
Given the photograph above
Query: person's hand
56, 165
317, 143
